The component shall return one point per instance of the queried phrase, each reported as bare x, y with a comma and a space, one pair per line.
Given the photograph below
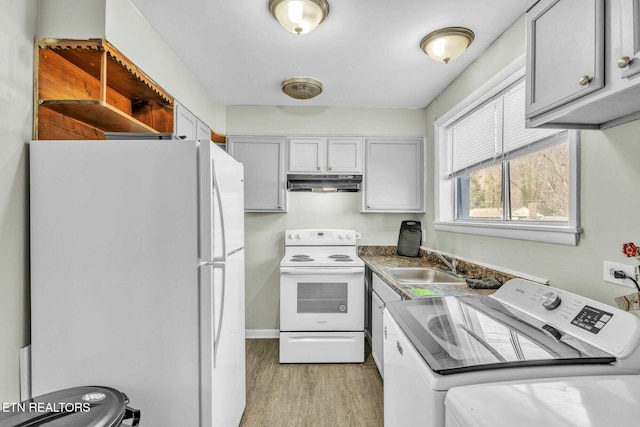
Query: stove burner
301, 258
341, 258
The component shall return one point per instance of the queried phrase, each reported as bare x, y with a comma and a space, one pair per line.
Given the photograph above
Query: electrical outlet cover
609, 267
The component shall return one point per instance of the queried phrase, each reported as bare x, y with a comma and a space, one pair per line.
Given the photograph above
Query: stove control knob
299, 236
349, 236
550, 300
340, 236
290, 236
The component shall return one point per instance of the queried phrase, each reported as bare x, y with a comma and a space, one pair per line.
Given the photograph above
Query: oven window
322, 297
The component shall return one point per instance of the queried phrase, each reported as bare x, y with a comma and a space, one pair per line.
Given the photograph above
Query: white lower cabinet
408, 398
263, 158
382, 294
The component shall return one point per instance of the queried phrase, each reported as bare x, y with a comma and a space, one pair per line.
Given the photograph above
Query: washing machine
524, 331
599, 401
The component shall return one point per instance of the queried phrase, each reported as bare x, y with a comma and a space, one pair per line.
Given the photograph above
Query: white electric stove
321, 298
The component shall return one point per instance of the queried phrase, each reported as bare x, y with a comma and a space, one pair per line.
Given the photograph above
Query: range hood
324, 183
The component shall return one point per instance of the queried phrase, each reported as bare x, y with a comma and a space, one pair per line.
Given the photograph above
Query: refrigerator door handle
216, 342
214, 264
222, 265
216, 189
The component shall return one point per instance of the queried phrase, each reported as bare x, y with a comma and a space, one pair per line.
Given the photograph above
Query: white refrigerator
137, 276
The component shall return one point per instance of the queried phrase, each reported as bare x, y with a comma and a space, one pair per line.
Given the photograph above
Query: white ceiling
366, 53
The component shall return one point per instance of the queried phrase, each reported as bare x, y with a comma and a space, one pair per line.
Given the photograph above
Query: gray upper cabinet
583, 63
393, 175
629, 33
325, 155
263, 158
306, 155
186, 123
565, 52
187, 126
203, 132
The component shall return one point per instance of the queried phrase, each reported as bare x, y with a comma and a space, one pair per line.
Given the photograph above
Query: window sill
559, 235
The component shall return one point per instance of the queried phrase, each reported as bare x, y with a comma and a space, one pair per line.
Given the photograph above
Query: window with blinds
496, 177
486, 135
504, 171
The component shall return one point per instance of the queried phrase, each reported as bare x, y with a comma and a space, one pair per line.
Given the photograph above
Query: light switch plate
630, 270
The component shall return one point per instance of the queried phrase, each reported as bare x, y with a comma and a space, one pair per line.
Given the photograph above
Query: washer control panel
591, 321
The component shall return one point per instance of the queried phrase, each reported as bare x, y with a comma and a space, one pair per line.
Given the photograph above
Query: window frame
444, 192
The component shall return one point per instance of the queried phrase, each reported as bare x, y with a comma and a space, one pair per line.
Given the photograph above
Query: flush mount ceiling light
299, 16
302, 87
447, 44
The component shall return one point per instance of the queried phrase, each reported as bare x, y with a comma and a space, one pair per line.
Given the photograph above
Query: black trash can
90, 406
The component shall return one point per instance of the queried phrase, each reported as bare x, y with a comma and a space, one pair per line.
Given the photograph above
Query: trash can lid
89, 406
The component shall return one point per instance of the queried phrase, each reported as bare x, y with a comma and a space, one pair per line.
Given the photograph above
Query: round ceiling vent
302, 87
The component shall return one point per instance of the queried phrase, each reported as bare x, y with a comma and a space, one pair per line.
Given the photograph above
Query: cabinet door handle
624, 62
318, 167
385, 332
584, 80
330, 168
399, 347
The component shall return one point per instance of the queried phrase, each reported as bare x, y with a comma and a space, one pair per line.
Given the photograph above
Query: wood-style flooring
309, 395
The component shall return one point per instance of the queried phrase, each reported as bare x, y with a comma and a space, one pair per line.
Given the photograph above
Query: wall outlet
630, 270
358, 235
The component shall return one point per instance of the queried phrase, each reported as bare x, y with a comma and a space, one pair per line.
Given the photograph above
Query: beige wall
17, 29
610, 172
264, 238
114, 20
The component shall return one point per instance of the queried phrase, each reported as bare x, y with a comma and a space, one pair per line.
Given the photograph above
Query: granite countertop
379, 258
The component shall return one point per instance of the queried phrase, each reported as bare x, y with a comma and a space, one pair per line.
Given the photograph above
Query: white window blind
475, 137
490, 132
515, 135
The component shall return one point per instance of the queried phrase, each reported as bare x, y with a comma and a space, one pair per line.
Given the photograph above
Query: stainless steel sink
423, 275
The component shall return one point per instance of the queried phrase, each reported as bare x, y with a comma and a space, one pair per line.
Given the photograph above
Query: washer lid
73, 407
473, 333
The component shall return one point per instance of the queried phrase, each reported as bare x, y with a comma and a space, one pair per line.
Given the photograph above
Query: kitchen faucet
453, 265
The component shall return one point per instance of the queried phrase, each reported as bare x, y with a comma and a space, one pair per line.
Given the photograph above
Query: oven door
321, 299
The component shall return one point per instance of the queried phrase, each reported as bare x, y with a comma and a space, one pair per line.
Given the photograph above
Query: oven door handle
297, 271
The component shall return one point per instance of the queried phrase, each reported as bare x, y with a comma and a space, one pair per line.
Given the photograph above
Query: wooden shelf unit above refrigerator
87, 87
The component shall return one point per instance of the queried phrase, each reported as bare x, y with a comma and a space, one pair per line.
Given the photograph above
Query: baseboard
261, 333
25, 373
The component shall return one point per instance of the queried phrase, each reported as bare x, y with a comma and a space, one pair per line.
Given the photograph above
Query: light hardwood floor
318, 395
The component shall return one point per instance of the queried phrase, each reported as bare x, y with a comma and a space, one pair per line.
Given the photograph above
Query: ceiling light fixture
302, 87
447, 44
299, 16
